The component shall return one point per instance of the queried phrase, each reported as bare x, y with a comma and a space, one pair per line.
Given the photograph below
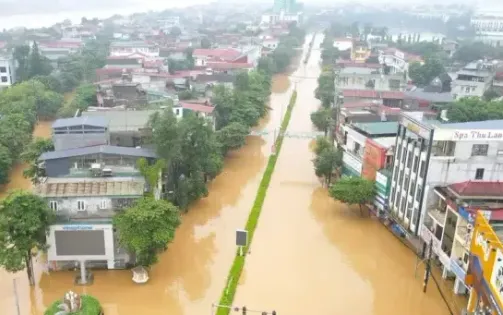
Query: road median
227, 297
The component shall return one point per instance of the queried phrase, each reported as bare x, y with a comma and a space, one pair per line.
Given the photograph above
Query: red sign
374, 154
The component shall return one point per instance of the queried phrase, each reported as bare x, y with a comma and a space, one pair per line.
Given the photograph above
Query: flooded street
312, 255
191, 274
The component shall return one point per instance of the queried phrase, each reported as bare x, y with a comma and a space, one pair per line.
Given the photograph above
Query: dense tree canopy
423, 74
24, 222
474, 109
322, 119
147, 228
326, 88
327, 162
31, 154
353, 190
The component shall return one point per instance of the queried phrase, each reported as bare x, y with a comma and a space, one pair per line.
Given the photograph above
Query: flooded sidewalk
312, 255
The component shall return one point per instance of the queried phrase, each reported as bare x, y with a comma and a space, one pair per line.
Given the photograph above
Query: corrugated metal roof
105, 149
76, 187
378, 128
124, 120
97, 121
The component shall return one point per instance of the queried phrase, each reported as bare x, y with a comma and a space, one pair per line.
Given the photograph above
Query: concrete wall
74, 140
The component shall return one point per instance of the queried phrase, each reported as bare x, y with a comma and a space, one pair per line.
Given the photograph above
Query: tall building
286, 6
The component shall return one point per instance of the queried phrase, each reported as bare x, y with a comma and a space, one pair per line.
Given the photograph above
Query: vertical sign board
497, 275
414, 127
241, 237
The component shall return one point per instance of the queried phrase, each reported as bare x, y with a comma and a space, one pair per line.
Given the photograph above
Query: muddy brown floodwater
191, 274
312, 255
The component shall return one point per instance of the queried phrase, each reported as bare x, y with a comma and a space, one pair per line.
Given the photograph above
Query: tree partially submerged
353, 190
24, 223
147, 228
31, 155
322, 119
327, 163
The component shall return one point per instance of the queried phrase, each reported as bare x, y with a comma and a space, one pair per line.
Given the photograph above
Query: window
53, 205
81, 205
406, 183
396, 172
404, 154
392, 195
410, 158
103, 204
3, 69
479, 174
480, 149
416, 164
412, 187
400, 180
4, 79
398, 151
422, 169
418, 194
402, 206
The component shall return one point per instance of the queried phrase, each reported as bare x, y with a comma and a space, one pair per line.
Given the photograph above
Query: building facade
489, 27
473, 80
125, 48
7, 72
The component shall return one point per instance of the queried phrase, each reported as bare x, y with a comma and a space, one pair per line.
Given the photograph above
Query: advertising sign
458, 270
472, 135
427, 236
374, 154
415, 127
497, 275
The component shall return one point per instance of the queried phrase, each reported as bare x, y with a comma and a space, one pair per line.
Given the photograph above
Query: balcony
437, 215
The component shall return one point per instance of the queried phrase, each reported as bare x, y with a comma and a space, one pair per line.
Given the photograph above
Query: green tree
151, 172
321, 145
50, 82
491, 94
85, 96
24, 222
326, 88
232, 136
370, 84
147, 228
205, 43
326, 163
15, 133
422, 75
322, 119
474, 109
266, 65
5, 164
38, 64
353, 190
31, 155
175, 31
21, 54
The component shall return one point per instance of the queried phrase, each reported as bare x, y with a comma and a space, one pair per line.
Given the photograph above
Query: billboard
374, 158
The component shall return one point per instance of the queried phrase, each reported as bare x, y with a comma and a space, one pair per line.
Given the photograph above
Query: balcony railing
437, 215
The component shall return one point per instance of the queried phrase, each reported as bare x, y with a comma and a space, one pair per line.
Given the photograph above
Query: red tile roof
227, 54
373, 94
358, 104
478, 189
198, 107
228, 65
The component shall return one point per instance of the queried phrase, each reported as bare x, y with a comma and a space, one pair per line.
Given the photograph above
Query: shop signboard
374, 154
382, 184
458, 270
497, 275
415, 127
427, 236
77, 227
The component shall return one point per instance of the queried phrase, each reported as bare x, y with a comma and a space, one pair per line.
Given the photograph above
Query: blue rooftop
105, 149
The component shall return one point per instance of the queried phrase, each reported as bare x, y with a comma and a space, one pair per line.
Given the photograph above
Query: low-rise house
397, 60
175, 53
54, 50
474, 79
270, 42
360, 52
203, 56
388, 98
363, 77
125, 48
86, 187
343, 44
7, 71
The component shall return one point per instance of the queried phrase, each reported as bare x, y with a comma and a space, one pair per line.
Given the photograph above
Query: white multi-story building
126, 48
473, 80
429, 154
7, 72
489, 26
397, 60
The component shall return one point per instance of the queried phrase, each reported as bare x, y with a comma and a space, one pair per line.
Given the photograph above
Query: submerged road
312, 255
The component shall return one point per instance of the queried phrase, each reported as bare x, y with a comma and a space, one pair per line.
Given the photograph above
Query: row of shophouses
438, 182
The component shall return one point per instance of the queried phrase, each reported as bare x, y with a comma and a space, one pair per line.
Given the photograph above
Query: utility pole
16, 296
428, 267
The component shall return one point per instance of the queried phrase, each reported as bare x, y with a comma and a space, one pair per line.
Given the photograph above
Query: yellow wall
482, 232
